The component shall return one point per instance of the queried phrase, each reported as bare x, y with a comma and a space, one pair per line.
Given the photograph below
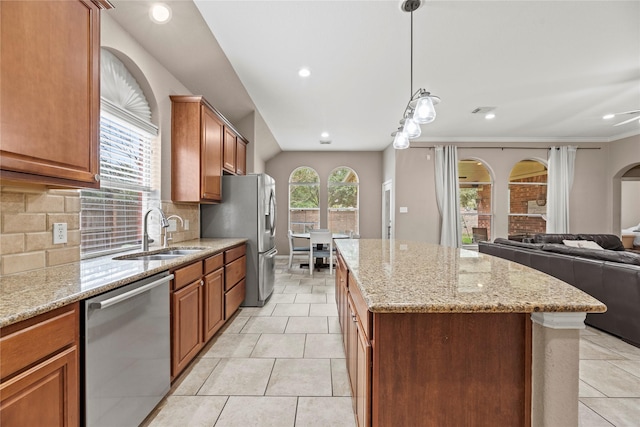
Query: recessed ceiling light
160, 13
304, 72
490, 116
325, 138
608, 116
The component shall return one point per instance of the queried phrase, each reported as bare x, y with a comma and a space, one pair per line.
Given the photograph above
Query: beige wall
368, 166
262, 146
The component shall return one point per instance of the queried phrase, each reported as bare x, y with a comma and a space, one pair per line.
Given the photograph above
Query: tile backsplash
27, 215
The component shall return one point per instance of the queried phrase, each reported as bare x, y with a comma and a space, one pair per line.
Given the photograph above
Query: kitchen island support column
555, 368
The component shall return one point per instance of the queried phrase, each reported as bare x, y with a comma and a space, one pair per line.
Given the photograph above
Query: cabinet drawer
234, 253
360, 306
234, 272
27, 342
233, 299
213, 263
186, 275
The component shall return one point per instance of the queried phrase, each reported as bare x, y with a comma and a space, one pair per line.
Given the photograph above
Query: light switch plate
186, 224
59, 233
173, 226
404, 209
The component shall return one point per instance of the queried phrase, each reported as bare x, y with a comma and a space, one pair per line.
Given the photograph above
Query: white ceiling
552, 68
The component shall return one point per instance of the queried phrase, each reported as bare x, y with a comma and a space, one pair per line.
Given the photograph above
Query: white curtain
559, 182
448, 195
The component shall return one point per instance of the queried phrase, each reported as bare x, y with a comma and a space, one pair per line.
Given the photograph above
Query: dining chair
296, 250
323, 237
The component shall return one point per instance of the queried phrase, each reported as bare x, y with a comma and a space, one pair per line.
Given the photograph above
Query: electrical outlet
404, 209
173, 226
186, 224
59, 233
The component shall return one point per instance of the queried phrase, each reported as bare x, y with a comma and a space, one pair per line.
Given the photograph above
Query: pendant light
401, 140
420, 108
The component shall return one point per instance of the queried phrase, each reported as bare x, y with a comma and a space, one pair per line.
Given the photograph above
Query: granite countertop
25, 295
397, 276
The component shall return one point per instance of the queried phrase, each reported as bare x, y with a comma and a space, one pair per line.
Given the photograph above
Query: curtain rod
514, 148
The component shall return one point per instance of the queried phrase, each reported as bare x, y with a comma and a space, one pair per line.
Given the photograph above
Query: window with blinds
111, 216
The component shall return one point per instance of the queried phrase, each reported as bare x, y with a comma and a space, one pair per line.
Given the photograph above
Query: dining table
318, 264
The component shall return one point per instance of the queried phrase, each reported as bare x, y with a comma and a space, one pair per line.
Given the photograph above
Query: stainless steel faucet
166, 239
145, 234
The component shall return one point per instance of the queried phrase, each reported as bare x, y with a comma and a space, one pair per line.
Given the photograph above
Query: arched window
527, 199
111, 216
304, 200
343, 201
475, 201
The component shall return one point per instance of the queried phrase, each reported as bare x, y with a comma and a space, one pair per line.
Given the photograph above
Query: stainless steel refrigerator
248, 209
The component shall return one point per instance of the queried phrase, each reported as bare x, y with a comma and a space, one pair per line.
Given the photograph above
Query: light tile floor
279, 365
283, 365
609, 381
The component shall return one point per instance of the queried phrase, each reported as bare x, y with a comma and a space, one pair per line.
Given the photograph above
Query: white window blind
111, 217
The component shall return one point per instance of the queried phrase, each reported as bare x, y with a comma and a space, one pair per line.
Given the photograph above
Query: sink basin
165, 254
181, 251
148, 257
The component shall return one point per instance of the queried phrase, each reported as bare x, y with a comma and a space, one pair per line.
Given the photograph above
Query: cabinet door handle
201, 282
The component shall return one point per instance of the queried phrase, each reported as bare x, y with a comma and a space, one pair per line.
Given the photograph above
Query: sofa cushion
605, 255
553, 238
607, 241
585, 244
503, 241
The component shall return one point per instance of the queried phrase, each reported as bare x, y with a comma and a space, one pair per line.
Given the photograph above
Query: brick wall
520, 196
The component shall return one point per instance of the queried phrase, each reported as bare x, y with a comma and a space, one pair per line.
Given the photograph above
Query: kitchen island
442, 336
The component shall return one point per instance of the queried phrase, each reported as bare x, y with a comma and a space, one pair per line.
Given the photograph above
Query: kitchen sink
181, 251
165, 254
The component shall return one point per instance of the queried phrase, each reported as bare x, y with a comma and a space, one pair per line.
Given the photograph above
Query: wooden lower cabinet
214, 315
202, 300
363, 382
186, 325
43, 396
36, 390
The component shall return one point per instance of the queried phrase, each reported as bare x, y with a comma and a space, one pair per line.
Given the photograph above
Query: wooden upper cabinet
196, 150
241, 157
235, 153
211, 178
230, 140
50, 92
203, 144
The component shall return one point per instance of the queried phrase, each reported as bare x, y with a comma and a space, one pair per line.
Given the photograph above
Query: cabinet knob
201, 282
96, 177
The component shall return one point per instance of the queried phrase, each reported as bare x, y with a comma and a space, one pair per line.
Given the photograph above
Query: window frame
346, 184
306, 225
473, 244
511, 183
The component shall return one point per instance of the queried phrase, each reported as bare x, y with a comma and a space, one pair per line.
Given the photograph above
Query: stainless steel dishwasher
127, 352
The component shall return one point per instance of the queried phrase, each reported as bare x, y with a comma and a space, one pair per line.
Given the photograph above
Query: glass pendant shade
425, 113
401, 141
411, 128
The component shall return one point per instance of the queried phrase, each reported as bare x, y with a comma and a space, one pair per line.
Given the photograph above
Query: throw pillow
584, 244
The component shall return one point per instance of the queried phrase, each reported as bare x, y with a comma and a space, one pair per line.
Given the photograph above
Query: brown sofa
611, 275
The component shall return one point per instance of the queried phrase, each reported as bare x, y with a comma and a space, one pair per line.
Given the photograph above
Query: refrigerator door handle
272, 253
273, 213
